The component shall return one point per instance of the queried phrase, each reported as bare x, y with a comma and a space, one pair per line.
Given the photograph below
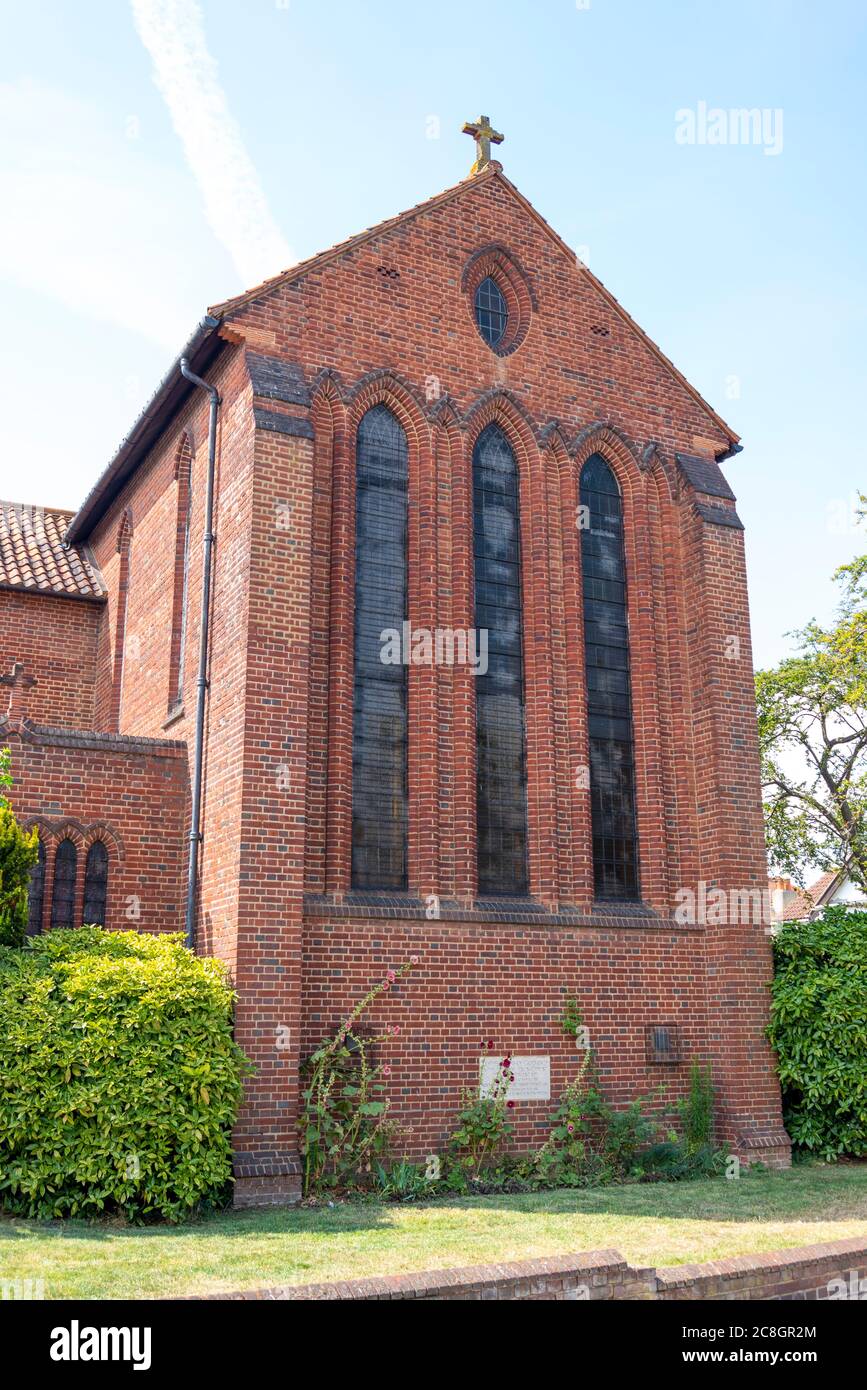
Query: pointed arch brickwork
181, 571
630, 472
124, 550
499, 407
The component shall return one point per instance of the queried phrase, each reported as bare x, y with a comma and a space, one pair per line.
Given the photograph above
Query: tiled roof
807, 900
33, 557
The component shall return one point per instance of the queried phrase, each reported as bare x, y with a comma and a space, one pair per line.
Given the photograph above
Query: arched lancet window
181, 575
36, 893
500, 739
609, 700
95, 884
379, 727
124, 543
63, 892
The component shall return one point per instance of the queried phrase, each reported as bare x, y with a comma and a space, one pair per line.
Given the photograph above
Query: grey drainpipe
202, 679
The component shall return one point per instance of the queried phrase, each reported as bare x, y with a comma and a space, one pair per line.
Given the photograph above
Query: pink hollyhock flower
490, 1044
390, 976
510, 1105
395, 1030
507, 1061
413, 960
571, 1129
386, 1071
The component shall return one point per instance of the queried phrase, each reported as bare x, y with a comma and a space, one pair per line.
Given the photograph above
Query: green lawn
663, 1223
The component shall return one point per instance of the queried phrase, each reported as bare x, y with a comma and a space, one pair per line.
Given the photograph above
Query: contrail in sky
186, 75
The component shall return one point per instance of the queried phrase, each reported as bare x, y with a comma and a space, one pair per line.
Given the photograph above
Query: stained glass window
609, 700
36, 894
500, 738
63, 893
95, 884
491, 312
379, 729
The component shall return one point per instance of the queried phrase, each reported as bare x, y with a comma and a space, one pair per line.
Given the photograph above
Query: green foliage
344, 1128
622, 1134
813, 737
483, 1127
593, 1142
5, 772
564, 1158
696, 1111
18, 854
403, 1181
119, 1077
819, 1030
572, 1018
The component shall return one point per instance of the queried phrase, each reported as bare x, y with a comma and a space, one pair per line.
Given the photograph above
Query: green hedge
819, 1030
119, 1076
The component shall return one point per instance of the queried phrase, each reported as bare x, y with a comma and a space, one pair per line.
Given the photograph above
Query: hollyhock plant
343, 1124
482, 1125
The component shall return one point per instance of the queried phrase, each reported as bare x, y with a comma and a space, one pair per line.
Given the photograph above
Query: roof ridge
39, 506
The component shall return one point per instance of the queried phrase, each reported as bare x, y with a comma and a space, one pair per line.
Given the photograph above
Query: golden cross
484, 134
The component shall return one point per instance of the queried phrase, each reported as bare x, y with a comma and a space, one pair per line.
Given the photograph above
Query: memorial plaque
532, 1077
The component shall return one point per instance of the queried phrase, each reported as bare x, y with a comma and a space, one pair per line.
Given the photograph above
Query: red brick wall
131, 793
506, 983
277, 811
55, 640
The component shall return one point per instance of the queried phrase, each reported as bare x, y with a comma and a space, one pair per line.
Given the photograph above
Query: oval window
491, 312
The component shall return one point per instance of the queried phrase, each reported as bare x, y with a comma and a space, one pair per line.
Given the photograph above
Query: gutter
203, 346
729, 453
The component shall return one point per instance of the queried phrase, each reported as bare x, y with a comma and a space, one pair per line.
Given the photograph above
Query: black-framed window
36, 893
501, 785
609, 695
491, 312
95, 884
63, 891
379, 724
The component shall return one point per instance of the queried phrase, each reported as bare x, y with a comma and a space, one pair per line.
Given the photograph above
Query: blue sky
158, 155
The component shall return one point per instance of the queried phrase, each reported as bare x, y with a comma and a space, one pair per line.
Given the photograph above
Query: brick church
410, 618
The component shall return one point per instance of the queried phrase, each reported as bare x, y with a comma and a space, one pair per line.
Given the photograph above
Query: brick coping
594, 1268
91, 739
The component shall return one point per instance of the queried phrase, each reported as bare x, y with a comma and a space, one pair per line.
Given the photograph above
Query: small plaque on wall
532, 1077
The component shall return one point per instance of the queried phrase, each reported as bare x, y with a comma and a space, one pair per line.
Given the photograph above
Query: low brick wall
836, 1270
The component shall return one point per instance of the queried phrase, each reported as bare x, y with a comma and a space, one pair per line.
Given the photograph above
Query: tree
18, 853
813, 739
